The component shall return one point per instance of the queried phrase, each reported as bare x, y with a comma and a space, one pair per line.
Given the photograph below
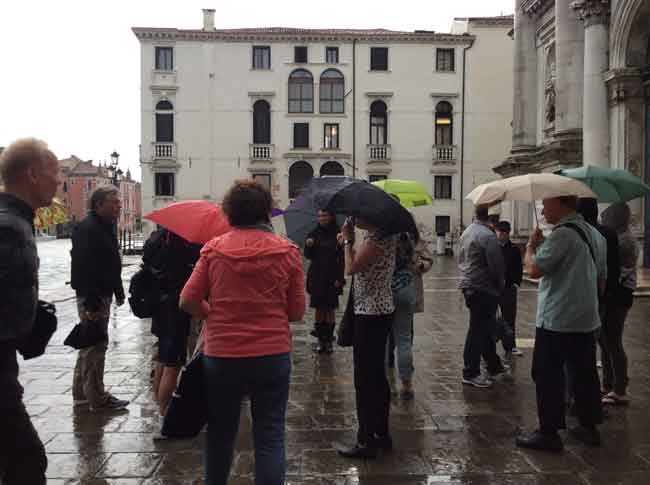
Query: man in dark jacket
96, 277
514, 275
30, 174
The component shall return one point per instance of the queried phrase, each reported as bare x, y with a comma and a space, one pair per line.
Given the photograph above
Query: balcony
164, 150
261, 152
379, 153
164, 79
445, 153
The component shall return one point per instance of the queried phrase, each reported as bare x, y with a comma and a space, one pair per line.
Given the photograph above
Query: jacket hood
248, 250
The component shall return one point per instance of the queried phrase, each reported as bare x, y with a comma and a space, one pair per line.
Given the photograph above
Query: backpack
144, 292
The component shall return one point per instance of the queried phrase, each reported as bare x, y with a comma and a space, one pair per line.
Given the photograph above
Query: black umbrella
300, 217
368, 202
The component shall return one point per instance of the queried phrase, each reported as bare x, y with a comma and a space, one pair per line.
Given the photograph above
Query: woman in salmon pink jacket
248, 285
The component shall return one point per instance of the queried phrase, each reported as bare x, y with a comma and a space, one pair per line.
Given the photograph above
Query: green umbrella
610, 184
409, 192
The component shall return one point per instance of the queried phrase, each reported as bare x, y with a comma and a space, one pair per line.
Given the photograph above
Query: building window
65, 187
331, 140
263, 179
300, 174
332, 55
331, 168
261, 57
164, 184
164, 58
444, 124
379, 58
301, 92
376, 177
445, 60
261, 122
378, 123
300, 54
332, 92
442, 187
301, 135
443, 225
164, 122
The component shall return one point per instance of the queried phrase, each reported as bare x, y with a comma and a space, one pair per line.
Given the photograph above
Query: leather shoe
358, 451
538, 441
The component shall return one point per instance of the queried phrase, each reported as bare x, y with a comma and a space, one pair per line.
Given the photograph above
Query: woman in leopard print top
372, 265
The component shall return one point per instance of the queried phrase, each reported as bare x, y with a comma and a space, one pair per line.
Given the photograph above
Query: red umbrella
196, 221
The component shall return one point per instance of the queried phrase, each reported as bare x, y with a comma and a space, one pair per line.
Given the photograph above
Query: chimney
208, 19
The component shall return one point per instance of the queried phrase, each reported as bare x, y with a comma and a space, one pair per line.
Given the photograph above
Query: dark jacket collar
18, 206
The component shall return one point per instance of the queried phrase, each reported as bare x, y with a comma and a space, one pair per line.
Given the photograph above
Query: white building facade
284, 105
581, 92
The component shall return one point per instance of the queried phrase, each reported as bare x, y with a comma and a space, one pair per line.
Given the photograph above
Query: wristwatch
347, 242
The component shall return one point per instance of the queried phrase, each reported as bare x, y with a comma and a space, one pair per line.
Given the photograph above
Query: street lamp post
114, 171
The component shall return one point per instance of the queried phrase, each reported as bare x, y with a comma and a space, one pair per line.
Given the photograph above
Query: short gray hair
20, 155
100, 194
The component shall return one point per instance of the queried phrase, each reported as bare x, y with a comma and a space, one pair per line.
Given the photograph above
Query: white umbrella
529, 188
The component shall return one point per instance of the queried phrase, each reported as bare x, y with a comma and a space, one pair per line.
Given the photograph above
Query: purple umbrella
275, 212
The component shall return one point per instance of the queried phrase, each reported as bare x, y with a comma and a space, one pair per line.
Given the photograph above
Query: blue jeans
403, 330
266, 380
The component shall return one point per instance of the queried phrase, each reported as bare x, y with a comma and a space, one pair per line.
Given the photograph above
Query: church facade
581, 93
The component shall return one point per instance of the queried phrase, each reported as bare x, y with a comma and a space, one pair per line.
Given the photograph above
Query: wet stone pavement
449, 434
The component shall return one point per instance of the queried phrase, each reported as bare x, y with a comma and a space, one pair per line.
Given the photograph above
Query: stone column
595, 14
524, 120
569, 54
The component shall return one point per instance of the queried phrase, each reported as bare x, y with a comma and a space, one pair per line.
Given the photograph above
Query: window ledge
300, 149
164, 71
164, 197
325, 149
259, 69
380, 71
444, 72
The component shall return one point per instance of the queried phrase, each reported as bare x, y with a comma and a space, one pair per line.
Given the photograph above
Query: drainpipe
354, 108
462, 135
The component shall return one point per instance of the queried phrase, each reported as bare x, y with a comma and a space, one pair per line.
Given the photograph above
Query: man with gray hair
30, 172
96, 278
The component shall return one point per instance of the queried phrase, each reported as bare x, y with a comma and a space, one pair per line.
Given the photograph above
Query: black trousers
480, 340
508, 307
370, 382
22, 454
613, 354
555, 354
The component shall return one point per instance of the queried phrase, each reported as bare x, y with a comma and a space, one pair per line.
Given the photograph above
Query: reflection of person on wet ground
325, 277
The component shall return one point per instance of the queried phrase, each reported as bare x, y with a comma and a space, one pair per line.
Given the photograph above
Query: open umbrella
366, 201
301, 216
529, 188
196, 221
610, 184
410, 192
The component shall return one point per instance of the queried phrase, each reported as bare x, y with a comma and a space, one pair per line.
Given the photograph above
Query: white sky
69, 69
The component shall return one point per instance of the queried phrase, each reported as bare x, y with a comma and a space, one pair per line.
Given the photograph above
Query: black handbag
345, 332
187, 413
85, 334
44, 327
